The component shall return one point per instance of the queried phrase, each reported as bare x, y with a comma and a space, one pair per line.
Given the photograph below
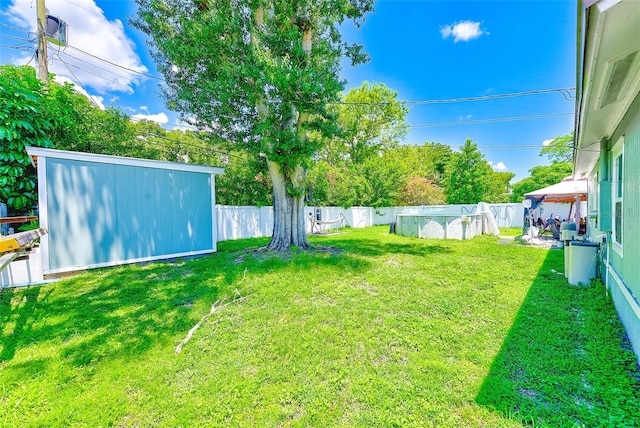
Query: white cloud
462, 31
500, 166
89, 31
160, 118
98, 101
546, 142
464, 117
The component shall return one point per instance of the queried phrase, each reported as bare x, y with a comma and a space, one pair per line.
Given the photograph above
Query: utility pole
43, 70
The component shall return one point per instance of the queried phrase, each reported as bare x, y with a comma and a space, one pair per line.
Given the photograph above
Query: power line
17, 47
22, 39
14, 28
538, 146
95, 74
442, 124
480, 121
207, 148
564, 91
493, 97
116, 65
80, 84
93, 65
84, 8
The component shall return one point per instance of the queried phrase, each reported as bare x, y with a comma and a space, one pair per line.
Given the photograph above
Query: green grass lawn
510, 231
380, 331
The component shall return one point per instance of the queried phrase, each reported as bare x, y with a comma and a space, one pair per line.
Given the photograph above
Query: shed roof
36, 152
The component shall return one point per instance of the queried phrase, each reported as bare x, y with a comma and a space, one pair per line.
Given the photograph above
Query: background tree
469, 175
370, 125
260, 74
338, 185
82, 126
381, 179
245, 181
541, 176
560, 149
371, 119
499, 190
560, 153
420, 191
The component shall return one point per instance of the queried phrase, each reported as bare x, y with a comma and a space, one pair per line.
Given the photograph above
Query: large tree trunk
288, 209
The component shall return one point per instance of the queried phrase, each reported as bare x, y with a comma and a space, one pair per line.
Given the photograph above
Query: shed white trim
128, 261
121, 160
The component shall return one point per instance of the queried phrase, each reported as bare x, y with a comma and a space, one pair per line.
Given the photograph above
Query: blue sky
425, 50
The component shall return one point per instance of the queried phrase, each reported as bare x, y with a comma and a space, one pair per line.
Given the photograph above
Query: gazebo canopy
565, 191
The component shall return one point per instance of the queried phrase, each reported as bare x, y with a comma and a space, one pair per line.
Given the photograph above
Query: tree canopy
560, 149
260, 74
560, 152
541, 176
469, 175
371, 119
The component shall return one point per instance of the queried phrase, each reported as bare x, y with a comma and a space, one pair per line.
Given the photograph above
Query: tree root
218, 304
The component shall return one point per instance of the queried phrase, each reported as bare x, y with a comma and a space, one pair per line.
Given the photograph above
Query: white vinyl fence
252, 222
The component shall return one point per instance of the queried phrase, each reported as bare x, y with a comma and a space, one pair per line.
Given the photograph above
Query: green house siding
106, 213
623, 276
628, 265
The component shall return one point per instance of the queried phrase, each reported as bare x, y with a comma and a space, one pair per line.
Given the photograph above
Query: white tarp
491, 225
565, 191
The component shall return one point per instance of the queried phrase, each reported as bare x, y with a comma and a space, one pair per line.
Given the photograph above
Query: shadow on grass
22, 317
562, 362
116, 312
123, 312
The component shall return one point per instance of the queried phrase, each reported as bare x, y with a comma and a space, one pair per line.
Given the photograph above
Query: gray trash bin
583, 260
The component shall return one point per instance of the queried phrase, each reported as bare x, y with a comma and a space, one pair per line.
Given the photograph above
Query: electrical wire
80, 84
171, 150
8, 36
84, 8
17, 47
95, 74
538, 146
207, 148
115, 65
563, 91
481, 121
93, 65
2, 24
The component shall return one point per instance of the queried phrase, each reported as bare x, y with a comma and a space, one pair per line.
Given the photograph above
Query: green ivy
23, 123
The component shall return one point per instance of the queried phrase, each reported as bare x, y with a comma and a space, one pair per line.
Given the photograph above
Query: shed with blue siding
109, 210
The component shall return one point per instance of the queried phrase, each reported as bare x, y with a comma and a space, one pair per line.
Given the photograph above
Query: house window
617, 193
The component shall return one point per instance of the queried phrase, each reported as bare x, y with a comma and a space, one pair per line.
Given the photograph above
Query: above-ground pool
440, 226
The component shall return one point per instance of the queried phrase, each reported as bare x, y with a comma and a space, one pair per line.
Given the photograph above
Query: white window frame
617, 195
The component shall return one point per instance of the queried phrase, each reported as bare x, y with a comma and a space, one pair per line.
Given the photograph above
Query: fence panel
252, 222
